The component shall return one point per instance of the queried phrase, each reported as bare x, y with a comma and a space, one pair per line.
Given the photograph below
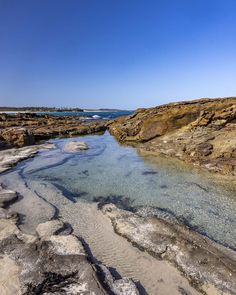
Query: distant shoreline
9, 111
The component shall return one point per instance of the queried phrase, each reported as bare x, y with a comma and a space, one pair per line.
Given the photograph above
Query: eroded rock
7, 196
205, 265
10, 157
52, 227
27, 129
202, 132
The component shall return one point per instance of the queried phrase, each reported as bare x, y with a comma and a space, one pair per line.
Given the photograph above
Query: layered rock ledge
27, 129
202, 132
208, 267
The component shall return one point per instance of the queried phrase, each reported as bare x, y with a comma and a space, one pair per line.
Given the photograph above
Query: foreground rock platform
54, 261
208, 267
202, 132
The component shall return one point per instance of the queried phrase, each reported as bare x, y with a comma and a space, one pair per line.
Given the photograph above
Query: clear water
111, 172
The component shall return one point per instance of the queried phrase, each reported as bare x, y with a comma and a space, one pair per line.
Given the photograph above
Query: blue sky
115, 53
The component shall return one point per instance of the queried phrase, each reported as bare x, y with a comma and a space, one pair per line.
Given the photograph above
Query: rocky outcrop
202, 132
10, 157
52, 262
207, 266
27, 129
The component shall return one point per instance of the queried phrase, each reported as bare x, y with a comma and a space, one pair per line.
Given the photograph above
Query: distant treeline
38, 109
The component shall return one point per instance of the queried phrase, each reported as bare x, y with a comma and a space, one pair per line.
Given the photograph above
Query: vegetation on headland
39, 109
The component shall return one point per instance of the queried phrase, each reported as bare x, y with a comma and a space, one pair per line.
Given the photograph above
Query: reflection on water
108, 172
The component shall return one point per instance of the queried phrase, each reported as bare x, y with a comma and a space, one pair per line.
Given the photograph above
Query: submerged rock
7, 196
75, 146
205, 264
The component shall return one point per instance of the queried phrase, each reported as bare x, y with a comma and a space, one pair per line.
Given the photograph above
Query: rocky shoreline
25, 129
201, 132
55, 261
210, 269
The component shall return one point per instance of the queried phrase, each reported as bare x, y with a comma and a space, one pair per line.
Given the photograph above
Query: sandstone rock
66, 245
27, 129
49, 265
18, 136
201, 132
8, 214
75, 146
118, 287
201, 261
50, 228
10, 157
6, 196
9, 276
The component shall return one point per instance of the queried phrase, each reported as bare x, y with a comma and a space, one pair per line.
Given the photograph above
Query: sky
115, 53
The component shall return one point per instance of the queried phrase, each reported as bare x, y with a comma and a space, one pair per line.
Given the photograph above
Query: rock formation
202, 132
27, 129
207, 266
53, 261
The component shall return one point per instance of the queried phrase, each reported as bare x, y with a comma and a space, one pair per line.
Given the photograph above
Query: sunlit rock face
27, 129
201, 131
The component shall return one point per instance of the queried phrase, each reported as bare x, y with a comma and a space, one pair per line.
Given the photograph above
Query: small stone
49, 228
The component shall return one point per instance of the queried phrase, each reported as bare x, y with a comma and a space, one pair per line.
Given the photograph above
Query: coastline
32, 201
196, 264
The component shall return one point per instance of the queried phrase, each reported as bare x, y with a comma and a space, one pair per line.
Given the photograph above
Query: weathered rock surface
75, 146
10, 157
27, 129
6, 196
202, 132
53, 262
52, 227
199, 259
122, 286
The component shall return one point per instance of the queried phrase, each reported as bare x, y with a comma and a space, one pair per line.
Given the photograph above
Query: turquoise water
108, 172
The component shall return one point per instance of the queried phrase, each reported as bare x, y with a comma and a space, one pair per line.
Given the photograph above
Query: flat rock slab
56, 264
49, 228
75, 146
203, 262
9, 277
66, 245
10, 157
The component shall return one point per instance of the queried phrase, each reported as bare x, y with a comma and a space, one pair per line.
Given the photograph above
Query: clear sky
115, 53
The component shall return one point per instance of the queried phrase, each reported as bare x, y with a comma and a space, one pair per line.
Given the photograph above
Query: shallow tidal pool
110, 172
